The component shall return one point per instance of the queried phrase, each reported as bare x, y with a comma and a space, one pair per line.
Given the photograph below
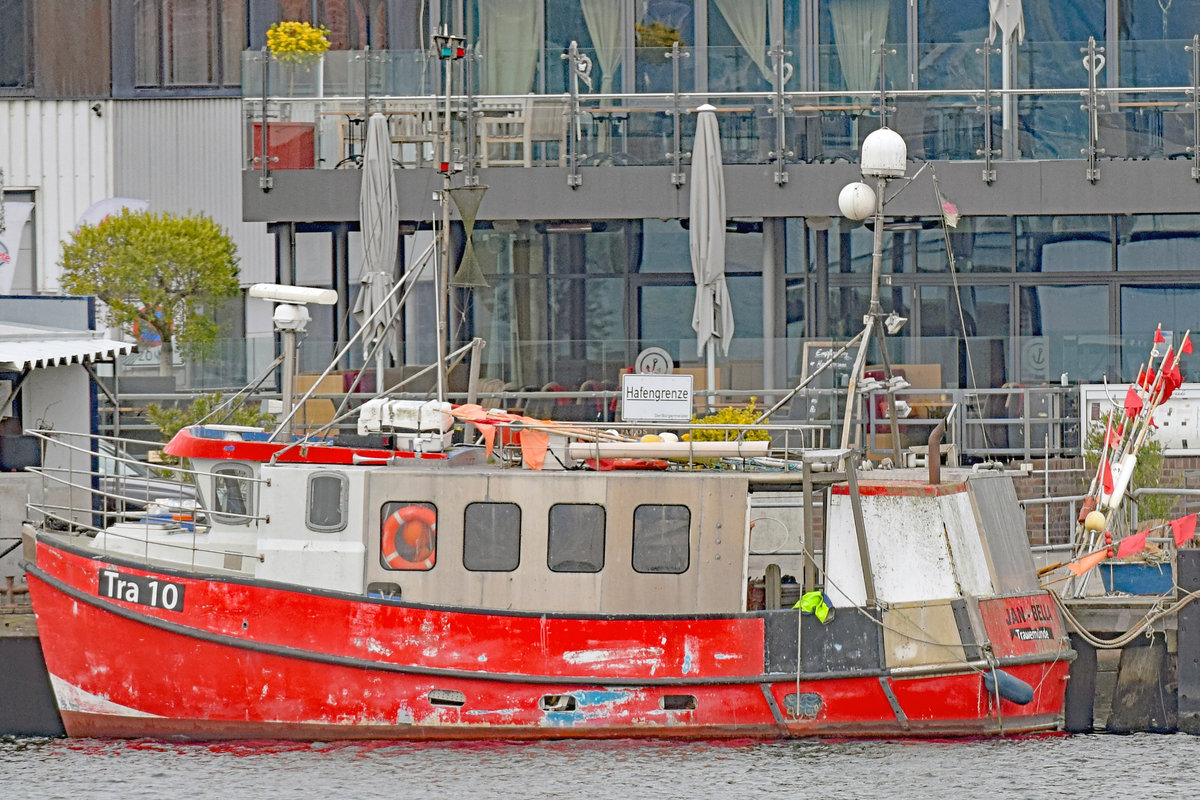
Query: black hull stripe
285, 651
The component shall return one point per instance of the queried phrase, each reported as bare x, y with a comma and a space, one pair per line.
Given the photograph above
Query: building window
575, 542
661, 535
408, 536
16, 69
326, 509
233, 494
492, 537
193, 43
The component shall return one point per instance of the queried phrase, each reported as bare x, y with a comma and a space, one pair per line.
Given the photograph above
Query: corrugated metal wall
185, 156
61, 151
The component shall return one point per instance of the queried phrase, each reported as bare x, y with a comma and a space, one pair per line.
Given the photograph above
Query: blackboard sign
836, 374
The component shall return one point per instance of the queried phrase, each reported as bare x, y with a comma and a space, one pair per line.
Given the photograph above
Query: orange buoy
409, 538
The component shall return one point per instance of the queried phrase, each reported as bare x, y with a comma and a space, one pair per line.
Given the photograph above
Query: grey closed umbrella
712, 317
379, 217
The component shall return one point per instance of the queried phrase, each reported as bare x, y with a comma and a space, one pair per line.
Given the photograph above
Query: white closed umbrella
712, 317
1007, 17
379, 217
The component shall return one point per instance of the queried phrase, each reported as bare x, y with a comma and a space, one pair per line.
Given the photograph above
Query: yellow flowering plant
295, 42
730, 415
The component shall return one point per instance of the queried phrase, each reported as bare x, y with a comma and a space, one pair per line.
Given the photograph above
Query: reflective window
197, 43
979, 244
661, 538
660, 23
17, 23
849, 31
233, 494
408, 536
492, 537
575, 541
949, 34
1064, 244
327, 503
1161, 243
738, 41
1153, 36
1064, 329
1143, 308
598, 30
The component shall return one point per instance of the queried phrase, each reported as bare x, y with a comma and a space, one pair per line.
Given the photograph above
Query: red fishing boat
403, 585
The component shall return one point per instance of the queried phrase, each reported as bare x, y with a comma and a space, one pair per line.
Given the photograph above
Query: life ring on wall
409, 535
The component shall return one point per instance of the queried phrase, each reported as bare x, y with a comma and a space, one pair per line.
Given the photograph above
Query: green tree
164, 273
170, 419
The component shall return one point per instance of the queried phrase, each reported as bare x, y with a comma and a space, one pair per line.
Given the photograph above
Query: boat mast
449, 48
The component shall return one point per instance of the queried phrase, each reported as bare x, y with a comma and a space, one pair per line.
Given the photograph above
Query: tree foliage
163, 273
170, 419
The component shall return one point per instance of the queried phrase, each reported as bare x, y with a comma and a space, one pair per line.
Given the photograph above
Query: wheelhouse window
661, 539
233, 494
326, 504
408, 536
576, 538
492, 537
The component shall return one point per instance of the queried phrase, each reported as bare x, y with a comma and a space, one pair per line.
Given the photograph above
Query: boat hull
214, 658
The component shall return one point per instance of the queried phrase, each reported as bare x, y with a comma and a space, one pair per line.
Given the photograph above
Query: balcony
312, 116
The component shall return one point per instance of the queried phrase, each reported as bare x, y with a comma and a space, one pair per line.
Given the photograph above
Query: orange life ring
409, 537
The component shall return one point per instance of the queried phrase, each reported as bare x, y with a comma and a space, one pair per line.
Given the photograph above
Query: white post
1008, 104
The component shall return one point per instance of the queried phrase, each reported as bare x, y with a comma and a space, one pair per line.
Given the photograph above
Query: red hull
248, 660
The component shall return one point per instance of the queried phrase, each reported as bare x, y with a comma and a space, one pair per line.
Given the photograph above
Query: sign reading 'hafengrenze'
656, 398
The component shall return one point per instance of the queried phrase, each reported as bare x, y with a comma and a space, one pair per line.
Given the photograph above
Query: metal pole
288, 380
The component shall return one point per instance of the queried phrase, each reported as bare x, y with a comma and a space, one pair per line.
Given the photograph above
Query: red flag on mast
1186, 346
1184, 529
1087, 562
1158, 337
1106, 477
1132, 544
1133, 403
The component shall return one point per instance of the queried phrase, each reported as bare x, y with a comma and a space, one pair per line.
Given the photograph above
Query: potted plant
298, 45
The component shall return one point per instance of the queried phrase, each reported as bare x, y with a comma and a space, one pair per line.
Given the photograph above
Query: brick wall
1065, 477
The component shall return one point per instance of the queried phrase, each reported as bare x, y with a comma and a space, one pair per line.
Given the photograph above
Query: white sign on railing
656, 398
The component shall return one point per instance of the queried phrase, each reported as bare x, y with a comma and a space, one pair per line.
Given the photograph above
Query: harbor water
1140, 765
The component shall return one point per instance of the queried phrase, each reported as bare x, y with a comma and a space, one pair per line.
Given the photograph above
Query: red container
292, 145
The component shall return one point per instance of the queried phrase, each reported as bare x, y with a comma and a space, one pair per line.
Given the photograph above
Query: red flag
1087, 562
1158, 337
1132, 544
1113, 438
1184, 529
1120, 428
1133, 402
1141, 381
1172, 380
1186, 346
1106, 478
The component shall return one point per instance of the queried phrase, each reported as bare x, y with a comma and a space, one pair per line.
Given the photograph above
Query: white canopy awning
20, 354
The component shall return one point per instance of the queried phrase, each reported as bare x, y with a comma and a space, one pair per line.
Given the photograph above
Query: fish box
1136, 577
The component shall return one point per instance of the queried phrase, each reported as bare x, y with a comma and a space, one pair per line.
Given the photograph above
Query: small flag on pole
1133, 402
1184, 529
1186, 346
950, 213
1112, 438
1106, 477
1158, 336
1132, 544
1087, 562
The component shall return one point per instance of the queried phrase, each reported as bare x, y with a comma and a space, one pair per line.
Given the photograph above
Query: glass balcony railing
312, 113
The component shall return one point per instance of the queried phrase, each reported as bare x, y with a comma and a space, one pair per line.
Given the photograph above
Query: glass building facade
1019, 292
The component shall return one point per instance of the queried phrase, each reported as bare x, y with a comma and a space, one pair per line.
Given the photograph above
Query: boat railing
89, 483
1016, 423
